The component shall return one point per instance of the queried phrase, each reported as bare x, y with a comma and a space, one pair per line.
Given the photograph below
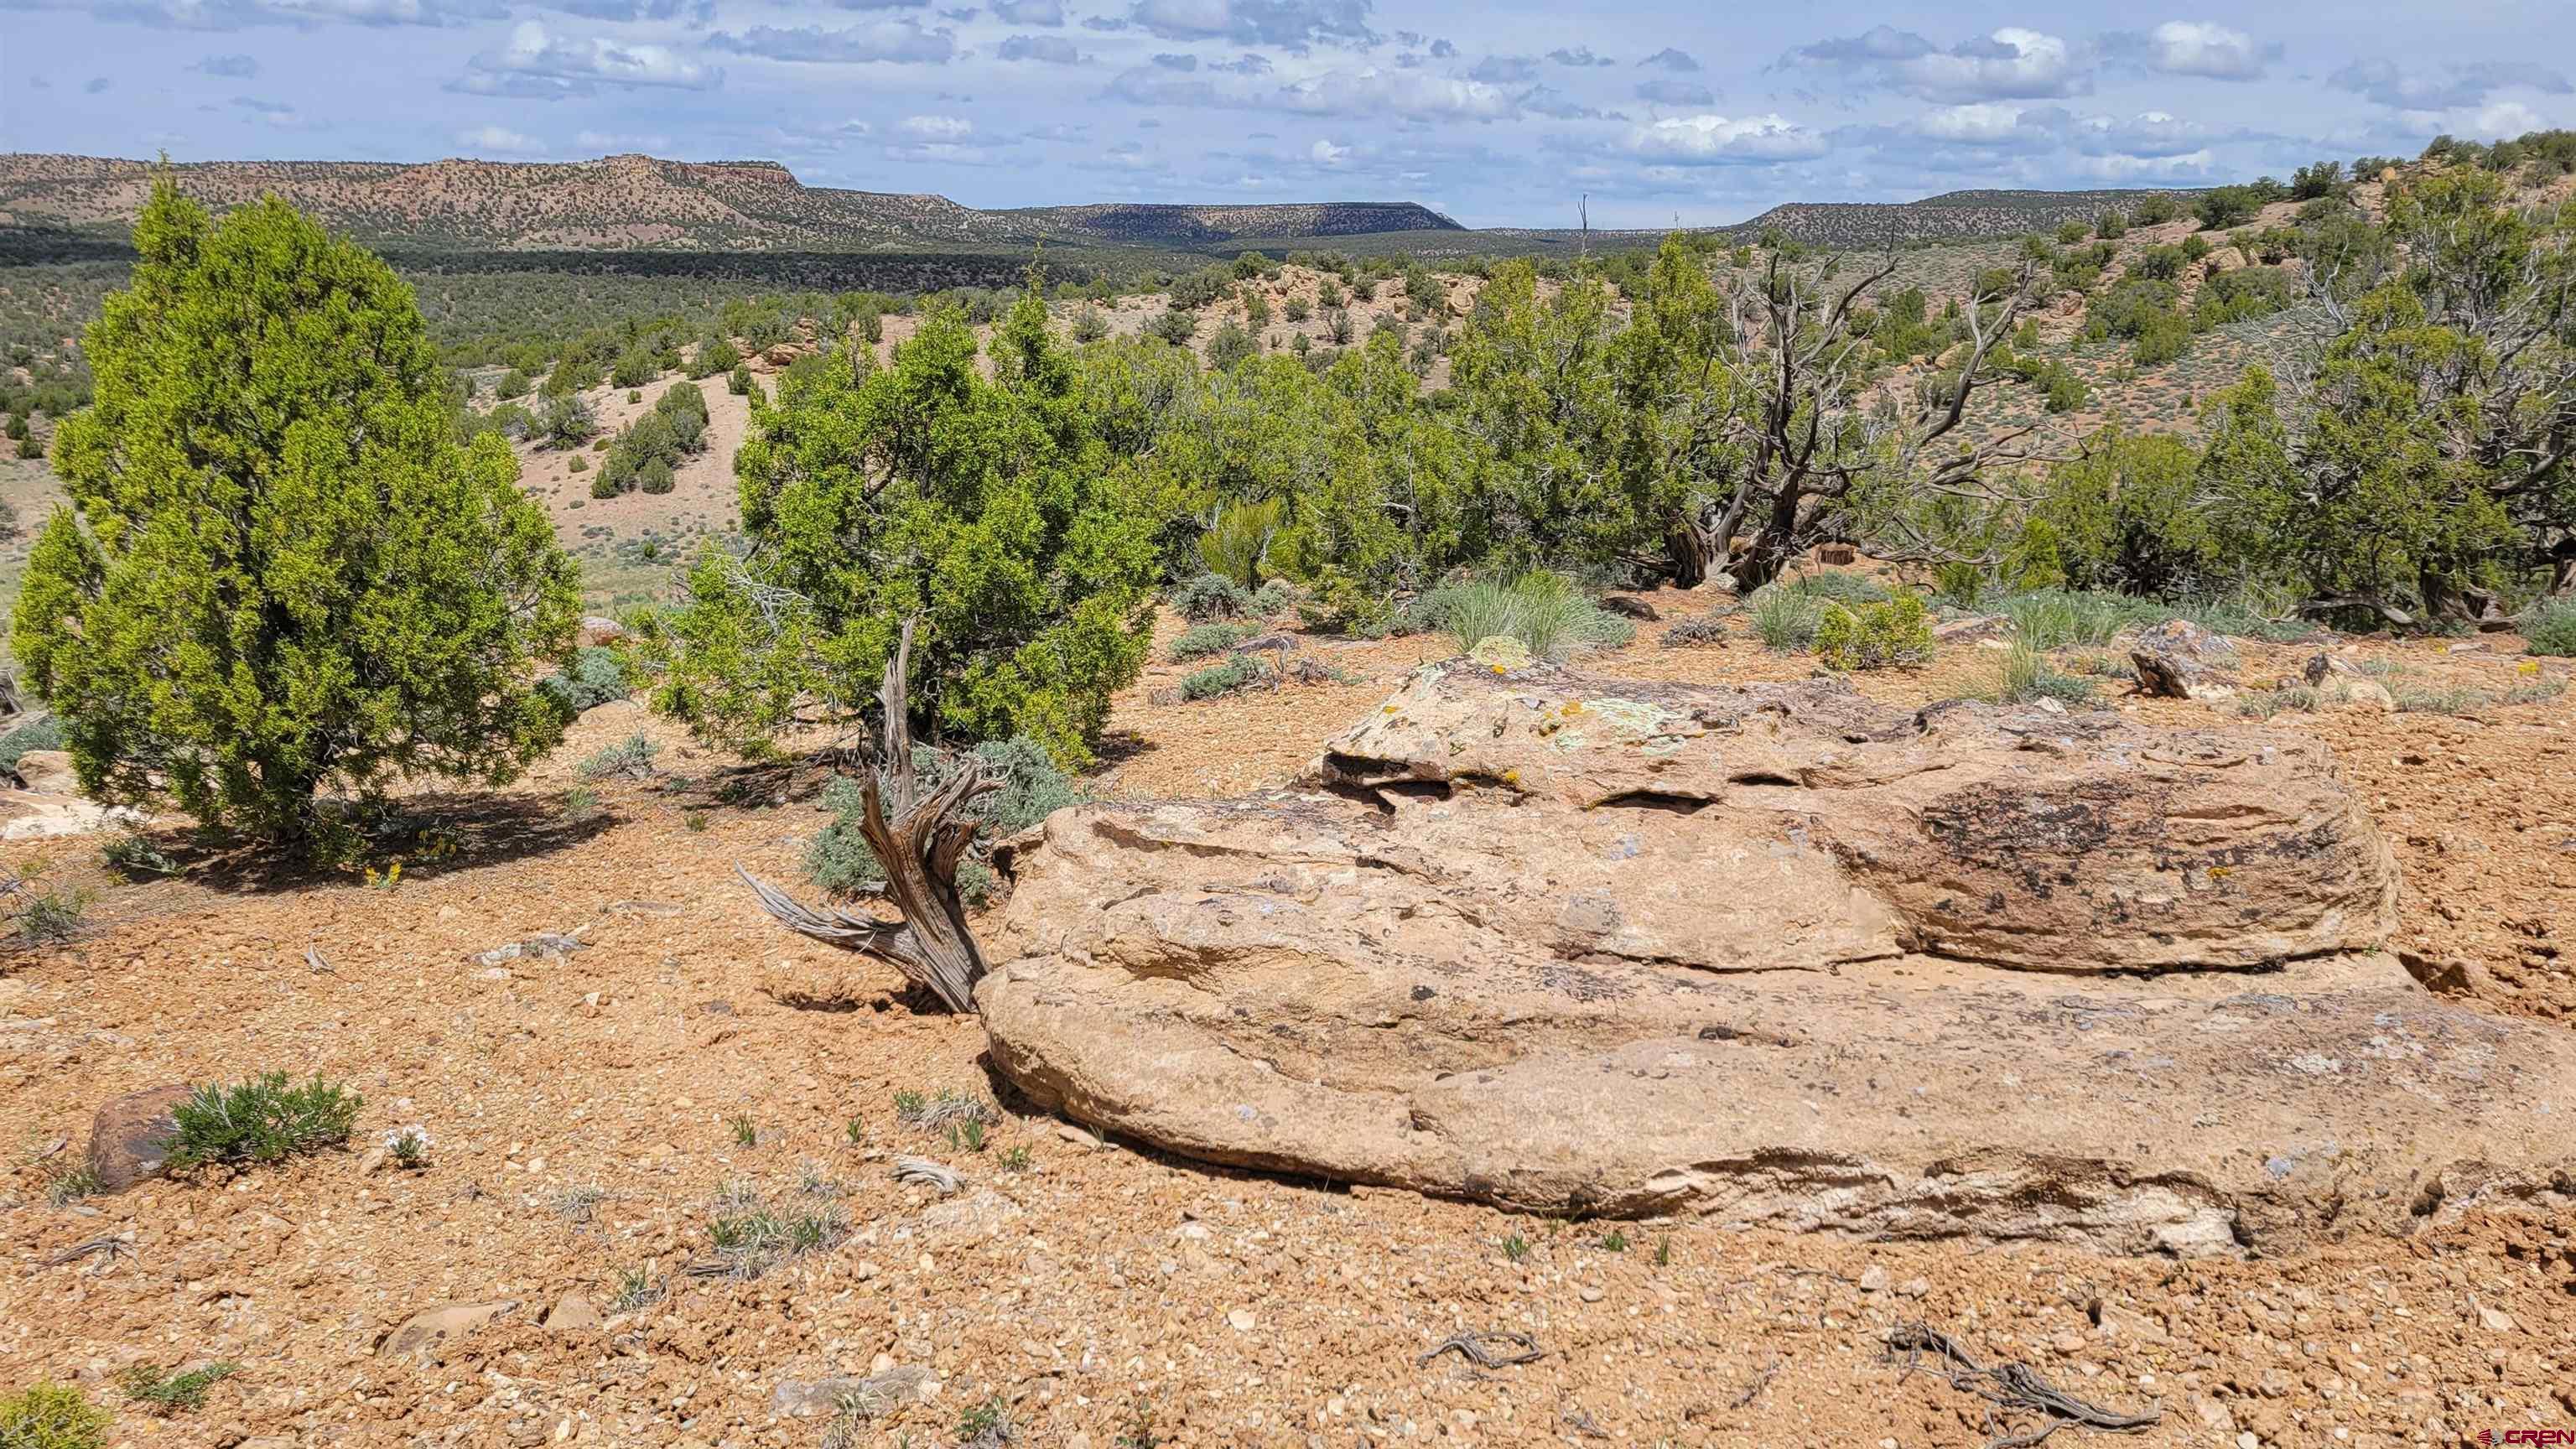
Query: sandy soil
587, 1112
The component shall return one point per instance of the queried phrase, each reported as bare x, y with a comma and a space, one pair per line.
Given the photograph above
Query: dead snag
919, 840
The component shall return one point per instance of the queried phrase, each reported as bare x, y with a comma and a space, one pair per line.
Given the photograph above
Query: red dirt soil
1098, 1283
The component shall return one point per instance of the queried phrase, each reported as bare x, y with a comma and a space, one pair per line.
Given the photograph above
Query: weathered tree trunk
919, 841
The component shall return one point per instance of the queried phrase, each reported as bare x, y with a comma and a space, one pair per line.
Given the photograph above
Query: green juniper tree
994, 512
278, 571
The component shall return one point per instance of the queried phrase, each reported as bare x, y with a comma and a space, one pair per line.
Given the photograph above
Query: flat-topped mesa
1784, 957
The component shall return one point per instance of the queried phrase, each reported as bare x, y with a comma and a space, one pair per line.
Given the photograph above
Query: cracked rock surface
1784, 957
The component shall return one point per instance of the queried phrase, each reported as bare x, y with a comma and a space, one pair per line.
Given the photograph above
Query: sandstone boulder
2181, 660
129, 1137
48, 772
1781, 956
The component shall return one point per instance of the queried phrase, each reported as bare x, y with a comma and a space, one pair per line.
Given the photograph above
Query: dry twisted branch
918, 841
2011, 1390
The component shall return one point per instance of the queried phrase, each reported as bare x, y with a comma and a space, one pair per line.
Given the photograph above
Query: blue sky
1499, 115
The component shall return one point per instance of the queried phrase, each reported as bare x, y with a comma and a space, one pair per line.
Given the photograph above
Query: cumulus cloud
1673, 92
1030, 12
629, 11
1713, 140
1294, 24
2010, 64
893, 42
2197, 48
1504, 70
1365, 91
1678, 62
621, 141
1325, 153
242, 14
1579, 55
231, 67
499, 140
536, 64
2384, 83
1047, 49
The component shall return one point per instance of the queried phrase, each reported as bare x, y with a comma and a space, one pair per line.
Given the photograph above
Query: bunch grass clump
1785, 619
1890, 632
263, 1119
2549, 627
2028, 677
1547, 614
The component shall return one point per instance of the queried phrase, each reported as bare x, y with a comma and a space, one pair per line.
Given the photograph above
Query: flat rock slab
1782, 957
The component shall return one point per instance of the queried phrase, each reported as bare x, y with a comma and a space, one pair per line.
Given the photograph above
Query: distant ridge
643, 203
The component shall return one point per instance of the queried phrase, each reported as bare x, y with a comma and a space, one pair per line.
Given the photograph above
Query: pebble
1873, 1279
1914, 1287
1591, 1294
1241, 1319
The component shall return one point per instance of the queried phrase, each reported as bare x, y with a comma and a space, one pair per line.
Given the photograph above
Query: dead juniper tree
919, 839
1818, 438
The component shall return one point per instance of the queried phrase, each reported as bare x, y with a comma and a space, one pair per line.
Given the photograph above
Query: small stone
374, 1161
1914, 1287
1241, 1320
427, 1332
1873, 1279
1076, 1135
573, 1313
2496, 1319
2247, 1440
1590, 1294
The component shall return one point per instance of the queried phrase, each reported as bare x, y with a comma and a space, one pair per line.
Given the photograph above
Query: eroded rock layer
1782, 956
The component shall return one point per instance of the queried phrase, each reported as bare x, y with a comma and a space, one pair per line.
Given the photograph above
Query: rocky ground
594, 1116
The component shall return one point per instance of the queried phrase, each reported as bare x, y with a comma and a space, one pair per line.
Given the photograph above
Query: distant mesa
635, 203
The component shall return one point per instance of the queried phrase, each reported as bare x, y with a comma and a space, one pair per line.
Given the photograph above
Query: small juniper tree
279, 570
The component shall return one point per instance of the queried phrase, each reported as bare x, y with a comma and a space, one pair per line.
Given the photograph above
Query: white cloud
2191, 165
1325, 153
570, 63
896, 42
1710, 140
1980, 123
2502, 119
2012, 63
938, 128
1369, 91
620, 141
499, 140
2198, 47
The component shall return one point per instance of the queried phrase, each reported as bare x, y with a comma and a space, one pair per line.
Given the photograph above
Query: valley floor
587, 1114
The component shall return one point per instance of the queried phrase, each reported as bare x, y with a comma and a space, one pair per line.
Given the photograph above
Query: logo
2545, 1437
